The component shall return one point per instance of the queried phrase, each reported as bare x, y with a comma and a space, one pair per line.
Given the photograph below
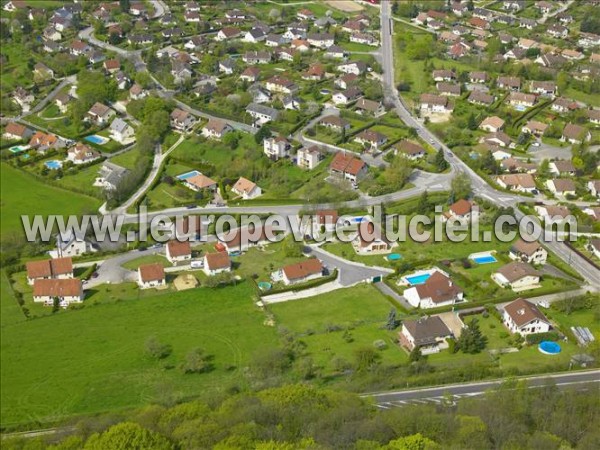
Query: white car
535, 144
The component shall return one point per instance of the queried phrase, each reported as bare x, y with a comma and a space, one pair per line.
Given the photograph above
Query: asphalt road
402, 397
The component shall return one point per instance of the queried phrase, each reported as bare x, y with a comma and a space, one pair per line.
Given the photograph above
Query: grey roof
427, 330
262, 109
118, 125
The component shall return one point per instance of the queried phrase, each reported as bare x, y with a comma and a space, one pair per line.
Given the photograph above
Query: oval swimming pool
549, 348
394, 256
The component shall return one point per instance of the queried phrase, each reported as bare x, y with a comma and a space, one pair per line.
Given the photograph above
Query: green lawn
93, 359
23, 194
150, 259
10, 312
127, 159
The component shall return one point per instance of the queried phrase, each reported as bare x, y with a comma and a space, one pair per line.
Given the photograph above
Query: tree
472, 122
292, 248
55, 304
472, 339
392, 321
124, 5
128, 435
461, 186
415, 354
440, 161
365, 358
196, 362
263, 133
424, 206
156, 349
412, 442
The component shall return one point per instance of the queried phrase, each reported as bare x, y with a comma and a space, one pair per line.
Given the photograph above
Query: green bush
533, 339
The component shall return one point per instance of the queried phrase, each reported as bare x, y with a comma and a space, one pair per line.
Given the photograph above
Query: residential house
561, 186
546, 88
42, 142
71, 244
335, 123
499, 138
364, 38
228, 33
535, 128
195, 43
316, 72
261, 114
409, 150
42, 71
178, 251
246, 189
78, 48
348, 167
521, 100
479, 77
575, 134
67, 291
227, 66
518, 276
354, 67
200, 183
553, 213
320, 40
300, 272
49, 269
437, 291
277, 147
371, 240
365, 106
23, 98
373, 139
241, 239
461, 211
215, 263
308, 158
523, 317
478, 97
111, 176
435, 104
517, 182
429, 334
16, 131
443, 75
564, 105
594, 187
251, 74
594, 247
528, 252
216, 129
450, 89
254, 36
99, 114
151, 276
137, 92
282, 85
562, 167
513, 165
62, 100
347, 96
512, 83
82, 154
558, 31
492, 124
335, 52
181, 120
257, 57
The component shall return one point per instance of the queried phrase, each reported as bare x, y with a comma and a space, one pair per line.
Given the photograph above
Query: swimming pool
18, 148
53, 164
549, 348
95, 139
264, 285
418, 279
488, 259
185, 176
394, 256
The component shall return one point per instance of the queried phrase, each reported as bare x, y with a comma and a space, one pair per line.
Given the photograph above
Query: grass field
93, 359
23, 194
150, 259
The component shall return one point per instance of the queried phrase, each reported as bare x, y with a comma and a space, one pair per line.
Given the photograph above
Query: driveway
547, 151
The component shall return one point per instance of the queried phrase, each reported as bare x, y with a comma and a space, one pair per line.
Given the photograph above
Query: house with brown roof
478, 97
216, 129
16, 131
112, 65
409, 150
366, 106
523, 317
279, 84
246, 189
450, 89
522, 182
438, 290
547, 88
99, 114
461, 211
518, 276
373, 139
300, 272
241, 239
506, 82
348, 167
335, 122
228, 33
48, 269
370, 239
435, 104
514, 165
215, 263
82, 154
528, 252
151, 276
67, 291
561, 186
562, 167
575, 134
521, 100
177, 251
535, 128
181, 120
552, 213
492, 124
430, 334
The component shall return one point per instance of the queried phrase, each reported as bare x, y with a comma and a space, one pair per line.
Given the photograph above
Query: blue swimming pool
18, 148
95, 139
264, 285
418, 279
185, 176
53, 164
489, 259
394, 256
549, 348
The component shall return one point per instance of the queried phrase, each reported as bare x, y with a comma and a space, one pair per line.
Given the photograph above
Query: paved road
479, 185
398, 398
386, 290
110, 270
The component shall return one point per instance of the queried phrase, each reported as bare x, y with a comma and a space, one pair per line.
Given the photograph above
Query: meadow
93, 359
23, 194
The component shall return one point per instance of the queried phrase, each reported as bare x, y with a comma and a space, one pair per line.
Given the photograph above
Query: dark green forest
303, 417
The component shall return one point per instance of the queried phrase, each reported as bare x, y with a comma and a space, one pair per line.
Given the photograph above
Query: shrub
536, 338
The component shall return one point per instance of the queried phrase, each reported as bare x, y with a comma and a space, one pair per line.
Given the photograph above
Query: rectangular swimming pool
489, 259
53, 164
418, 279
185, 176
95, 139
